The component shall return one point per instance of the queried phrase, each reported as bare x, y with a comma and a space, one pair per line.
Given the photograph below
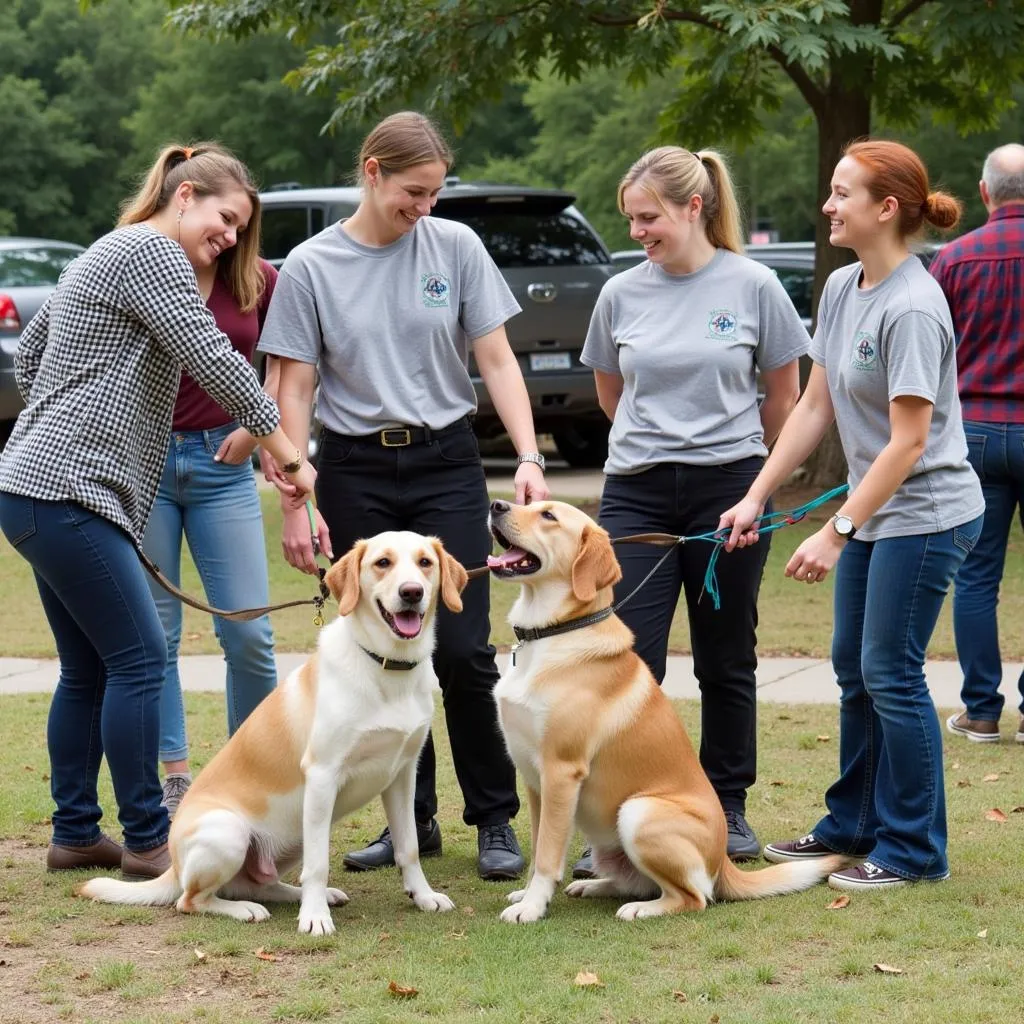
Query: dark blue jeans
112, 653
889, 799
683, 500
996, 451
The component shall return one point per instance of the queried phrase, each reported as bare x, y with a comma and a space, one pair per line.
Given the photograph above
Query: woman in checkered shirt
98, 368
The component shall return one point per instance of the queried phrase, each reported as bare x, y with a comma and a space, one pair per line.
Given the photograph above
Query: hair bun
942, 210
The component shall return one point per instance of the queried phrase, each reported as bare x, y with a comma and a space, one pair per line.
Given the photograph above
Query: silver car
29, 268
551, 258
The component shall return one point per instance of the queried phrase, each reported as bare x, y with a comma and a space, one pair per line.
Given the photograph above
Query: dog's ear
342, 579
596, 566
453, 577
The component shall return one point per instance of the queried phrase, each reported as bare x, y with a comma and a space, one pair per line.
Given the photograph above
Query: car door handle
542, 292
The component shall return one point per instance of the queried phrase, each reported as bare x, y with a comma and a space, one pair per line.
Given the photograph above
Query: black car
553, 261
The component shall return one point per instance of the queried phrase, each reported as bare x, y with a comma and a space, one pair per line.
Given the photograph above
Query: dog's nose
499, 508
410, 592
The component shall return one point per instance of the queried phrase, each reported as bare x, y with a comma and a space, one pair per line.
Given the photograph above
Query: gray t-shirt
688, 347
877, 344
389, 327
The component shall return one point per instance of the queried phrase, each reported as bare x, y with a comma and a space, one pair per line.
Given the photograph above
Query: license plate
541, 361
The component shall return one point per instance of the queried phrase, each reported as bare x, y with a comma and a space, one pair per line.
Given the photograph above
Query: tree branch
906, 11
807, 87
607, 21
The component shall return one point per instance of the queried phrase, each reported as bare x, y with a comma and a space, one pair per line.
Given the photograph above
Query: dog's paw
315, 922
336, 898
522, 913
247, 911
636, 911
516, 896
433, 902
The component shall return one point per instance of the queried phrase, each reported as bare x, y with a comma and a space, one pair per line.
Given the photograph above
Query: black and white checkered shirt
98, 368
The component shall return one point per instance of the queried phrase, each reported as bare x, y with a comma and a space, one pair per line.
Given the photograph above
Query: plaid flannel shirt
982, 275
98, 367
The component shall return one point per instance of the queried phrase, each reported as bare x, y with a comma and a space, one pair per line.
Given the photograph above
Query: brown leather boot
104, 853
141, 864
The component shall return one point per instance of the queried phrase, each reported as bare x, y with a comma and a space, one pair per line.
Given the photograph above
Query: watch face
843, 525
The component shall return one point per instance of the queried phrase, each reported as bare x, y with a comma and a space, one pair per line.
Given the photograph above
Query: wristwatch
843, 525
531, 457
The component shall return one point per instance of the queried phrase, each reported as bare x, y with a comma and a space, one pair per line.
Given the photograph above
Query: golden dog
598, 744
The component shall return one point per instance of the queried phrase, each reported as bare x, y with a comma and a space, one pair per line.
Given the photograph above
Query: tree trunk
844, 116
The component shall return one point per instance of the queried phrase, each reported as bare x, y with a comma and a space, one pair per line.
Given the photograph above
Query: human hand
530, 484
297, 540
741, 521
817, 555
236, 448
297, 487
272, 472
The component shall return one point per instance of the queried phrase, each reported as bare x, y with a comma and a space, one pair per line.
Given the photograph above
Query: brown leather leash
242, 614
663, 540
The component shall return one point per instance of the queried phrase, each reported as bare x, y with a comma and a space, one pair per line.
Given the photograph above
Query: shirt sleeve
29, 354
913, 348
292, 328
485, 300
782, 335
159, 287
599, 350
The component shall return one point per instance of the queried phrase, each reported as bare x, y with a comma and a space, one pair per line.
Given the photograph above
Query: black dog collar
391, 664
523, 635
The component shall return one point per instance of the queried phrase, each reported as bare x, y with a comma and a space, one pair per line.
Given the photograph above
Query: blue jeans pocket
965, 536
976, 453
17, 518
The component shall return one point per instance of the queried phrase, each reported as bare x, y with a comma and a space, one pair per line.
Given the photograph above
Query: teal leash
766, 524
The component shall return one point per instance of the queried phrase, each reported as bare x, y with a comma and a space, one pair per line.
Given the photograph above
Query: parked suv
29, 268
553, 261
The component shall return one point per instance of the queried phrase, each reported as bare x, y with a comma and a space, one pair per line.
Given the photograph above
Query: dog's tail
157, 892
777, 880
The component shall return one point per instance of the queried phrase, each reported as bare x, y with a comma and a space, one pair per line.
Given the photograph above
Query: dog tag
515, 647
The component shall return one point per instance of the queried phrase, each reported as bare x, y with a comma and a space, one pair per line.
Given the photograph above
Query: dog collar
391, 664
523, 635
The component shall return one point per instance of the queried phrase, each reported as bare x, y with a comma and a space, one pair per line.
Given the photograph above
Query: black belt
400, 437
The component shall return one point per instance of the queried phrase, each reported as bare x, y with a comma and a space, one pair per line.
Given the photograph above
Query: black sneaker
584, 867
500, 858
861, 877
381, 852
804, 848
743, 844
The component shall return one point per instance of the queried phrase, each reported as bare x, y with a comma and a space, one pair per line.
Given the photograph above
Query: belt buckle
406, 437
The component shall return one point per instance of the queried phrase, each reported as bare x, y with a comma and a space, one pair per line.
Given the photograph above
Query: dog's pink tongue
408, 623
509, 557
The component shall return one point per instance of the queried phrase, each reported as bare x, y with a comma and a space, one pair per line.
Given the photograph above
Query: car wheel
583, 445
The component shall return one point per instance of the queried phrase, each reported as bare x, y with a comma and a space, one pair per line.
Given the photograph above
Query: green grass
775, 961
795, 619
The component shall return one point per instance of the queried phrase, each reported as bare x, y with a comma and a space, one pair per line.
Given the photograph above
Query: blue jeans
112, 650
216, 508
996, 451
889, 800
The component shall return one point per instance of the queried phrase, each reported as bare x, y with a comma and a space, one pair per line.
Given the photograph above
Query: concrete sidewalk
779, 680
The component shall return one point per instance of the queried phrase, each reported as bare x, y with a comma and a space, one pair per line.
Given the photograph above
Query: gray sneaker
175, 787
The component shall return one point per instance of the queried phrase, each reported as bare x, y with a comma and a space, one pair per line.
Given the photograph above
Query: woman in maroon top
208, 496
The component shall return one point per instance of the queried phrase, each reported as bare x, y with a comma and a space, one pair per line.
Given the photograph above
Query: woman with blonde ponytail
99, 368
885, 372
677, 344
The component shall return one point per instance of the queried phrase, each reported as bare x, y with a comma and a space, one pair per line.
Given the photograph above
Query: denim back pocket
976, 453
965, 536
17, 518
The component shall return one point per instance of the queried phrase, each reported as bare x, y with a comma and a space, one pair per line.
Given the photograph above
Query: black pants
436, 488
681, 499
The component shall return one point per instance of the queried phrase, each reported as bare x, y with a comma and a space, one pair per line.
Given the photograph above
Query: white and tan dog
597, 743
341, 729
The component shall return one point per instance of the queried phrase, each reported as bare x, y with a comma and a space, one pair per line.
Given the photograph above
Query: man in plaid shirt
982, 275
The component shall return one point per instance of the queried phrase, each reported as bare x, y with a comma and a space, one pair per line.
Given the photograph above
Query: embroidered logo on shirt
722, 323
865, 352
434, 288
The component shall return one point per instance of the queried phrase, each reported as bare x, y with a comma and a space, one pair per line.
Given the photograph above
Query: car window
799, 284
33, 267
284, 227
534, 239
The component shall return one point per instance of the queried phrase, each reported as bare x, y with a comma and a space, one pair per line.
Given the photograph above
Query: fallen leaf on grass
384, 936
200, 955
983, 934
587, 979
714, 1019
839, 903
963, 783
28, 767
888, 969
403, 991
955, 766
782, 718
458, 933
262, 954
996, 815
776, 782
678, 995
193, 636
991, 777
823, 738
1018, 810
